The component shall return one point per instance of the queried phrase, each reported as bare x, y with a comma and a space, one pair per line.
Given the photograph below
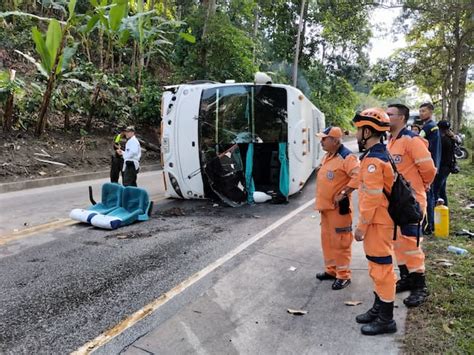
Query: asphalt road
63, 287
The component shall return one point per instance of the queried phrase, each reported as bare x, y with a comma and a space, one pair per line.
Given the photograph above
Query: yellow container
441, 221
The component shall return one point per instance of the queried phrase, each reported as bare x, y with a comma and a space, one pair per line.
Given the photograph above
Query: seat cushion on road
82, 215
106, 222
135, 206
111, 198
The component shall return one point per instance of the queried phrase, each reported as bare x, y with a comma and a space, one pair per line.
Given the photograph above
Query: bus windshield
243, 114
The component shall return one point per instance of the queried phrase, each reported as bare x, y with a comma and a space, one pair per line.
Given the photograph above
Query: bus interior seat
135, 206
111, 198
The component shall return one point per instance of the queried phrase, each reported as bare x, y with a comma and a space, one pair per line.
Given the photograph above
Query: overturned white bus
230, 140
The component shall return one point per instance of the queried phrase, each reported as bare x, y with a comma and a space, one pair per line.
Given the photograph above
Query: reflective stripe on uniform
342, 267
371, 191
417, 161
412, 252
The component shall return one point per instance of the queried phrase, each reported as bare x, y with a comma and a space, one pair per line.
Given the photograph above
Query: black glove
344, 206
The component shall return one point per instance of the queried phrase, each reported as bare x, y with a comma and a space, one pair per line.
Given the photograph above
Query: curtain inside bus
255, 118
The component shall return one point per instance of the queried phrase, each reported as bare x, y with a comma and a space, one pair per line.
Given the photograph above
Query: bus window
244, 114
232, 117
271, 114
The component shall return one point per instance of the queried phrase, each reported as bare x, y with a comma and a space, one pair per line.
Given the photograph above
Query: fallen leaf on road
447, 329
121, 237
296, 312
352, 303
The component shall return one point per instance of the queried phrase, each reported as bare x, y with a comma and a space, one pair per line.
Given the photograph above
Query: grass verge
445, 324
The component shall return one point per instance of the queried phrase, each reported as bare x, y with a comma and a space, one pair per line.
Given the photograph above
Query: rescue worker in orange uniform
413, 160
337, 178
375, 226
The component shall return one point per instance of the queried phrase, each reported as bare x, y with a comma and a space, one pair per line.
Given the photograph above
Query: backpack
402, 205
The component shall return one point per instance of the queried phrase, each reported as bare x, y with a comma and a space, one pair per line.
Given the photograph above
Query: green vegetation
445, 324
96, 63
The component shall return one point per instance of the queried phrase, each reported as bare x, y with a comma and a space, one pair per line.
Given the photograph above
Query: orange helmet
374, 117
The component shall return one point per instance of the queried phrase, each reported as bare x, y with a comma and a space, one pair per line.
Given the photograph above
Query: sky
384, 42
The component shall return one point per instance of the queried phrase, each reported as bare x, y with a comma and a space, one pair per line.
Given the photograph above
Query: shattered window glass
243, 114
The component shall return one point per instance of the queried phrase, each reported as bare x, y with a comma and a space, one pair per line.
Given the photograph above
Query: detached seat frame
120, 206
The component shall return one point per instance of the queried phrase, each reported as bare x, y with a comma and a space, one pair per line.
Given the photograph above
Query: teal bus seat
135, 206
111, 198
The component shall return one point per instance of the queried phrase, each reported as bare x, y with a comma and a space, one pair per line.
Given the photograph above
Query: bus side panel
180, 146
300, 139
187, 143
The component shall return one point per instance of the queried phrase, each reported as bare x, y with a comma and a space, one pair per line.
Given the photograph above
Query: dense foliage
95, 63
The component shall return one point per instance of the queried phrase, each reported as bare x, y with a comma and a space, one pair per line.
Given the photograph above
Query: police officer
430, 131
337, 178
413, 160
375, 226
131, 157
116, 165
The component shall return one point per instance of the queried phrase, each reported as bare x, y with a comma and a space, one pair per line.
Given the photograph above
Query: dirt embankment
59, 153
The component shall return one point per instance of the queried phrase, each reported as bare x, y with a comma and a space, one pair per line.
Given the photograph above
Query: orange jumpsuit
376, 174
337, 171
413, 159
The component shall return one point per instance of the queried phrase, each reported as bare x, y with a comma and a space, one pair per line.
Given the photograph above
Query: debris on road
173, 212
352, 303
296, 312
291, 268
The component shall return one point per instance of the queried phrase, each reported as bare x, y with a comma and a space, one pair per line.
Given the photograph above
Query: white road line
104, 338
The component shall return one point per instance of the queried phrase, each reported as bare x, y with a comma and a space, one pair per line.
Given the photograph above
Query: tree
440, 52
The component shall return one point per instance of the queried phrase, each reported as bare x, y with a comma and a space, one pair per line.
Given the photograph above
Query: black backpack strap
394, 231
418, 234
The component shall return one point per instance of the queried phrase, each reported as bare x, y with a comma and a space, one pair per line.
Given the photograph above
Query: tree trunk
8, 114
42, 116
134, 59
462, 93
298, 40
255, 34
101, 47
95, 96
456, 72
210, 10
303, 33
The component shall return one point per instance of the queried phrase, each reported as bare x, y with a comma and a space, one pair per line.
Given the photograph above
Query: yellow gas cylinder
441, 219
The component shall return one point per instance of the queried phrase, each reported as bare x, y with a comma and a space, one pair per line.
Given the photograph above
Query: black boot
371, 314
405, 282
384, 322
419, 292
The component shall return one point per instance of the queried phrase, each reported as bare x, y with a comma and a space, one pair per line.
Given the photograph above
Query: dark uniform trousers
130, 174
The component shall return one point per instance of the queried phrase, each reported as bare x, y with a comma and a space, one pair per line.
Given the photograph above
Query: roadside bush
147, 110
